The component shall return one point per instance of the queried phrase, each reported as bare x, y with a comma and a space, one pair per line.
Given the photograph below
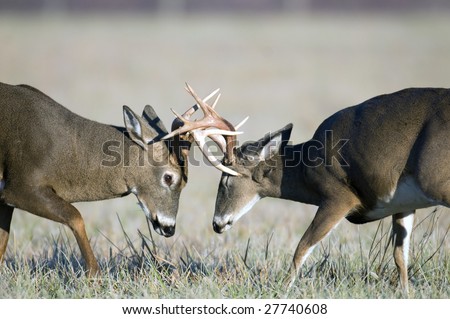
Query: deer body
384, 157
51, 157
31, 152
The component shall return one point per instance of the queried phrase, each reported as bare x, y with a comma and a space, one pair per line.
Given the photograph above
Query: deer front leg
6, 213
402, 225
44, 202
327, 217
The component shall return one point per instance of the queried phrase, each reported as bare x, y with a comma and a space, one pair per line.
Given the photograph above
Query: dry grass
277, 69
254, 269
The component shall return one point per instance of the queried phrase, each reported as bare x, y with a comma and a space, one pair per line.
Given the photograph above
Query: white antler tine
205, 107
241, 123
220, 141
227, 170
199, 137
177, 131
187, 115
214, 131
178, 115
206, 99
170, 135
216, 100
191, 91
187, 87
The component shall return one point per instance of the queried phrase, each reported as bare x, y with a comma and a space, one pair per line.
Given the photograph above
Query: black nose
168, 230
219, 228
216, 228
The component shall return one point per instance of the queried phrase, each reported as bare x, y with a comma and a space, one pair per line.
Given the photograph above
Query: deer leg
6, 213
44, 202
402, 225
327, 217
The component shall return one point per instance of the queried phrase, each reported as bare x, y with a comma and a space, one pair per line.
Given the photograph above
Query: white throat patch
229, 218
141, 204
246, 208
145, 209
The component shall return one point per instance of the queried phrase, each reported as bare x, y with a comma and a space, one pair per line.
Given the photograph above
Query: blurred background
278, 61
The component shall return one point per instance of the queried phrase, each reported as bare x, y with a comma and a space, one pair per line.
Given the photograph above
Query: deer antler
212, 125
178, 122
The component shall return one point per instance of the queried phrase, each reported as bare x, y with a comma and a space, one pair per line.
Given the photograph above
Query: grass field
277, 69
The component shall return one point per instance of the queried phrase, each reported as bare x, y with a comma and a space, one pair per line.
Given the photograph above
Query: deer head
167, 157
159, 197
223, 133
260, 168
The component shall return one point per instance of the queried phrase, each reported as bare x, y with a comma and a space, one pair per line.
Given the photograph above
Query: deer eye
168, 179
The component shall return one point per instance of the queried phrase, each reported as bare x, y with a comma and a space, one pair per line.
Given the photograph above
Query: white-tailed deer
51, 157
384, 157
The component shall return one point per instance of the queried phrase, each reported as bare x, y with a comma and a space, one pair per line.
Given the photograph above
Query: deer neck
98, 170
126, 163
294, 183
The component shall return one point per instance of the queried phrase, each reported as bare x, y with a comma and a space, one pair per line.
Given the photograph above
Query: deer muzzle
164, 226
222, 224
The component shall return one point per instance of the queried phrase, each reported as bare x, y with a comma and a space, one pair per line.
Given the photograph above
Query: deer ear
154, 121
140, 132
273, 143
270, 145
270, 148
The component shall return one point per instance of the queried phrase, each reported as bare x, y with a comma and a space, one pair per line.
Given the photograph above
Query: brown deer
51, 157
383, 157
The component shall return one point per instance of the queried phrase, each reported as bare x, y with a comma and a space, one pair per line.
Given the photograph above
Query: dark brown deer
51, 157
384, 157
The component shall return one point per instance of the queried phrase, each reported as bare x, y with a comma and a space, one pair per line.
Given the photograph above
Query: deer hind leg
6, 213
44, 202
402, 225
326, 219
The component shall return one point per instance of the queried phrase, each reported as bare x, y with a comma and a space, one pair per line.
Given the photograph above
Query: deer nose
221, 224
164, 226
217, 228
168, 231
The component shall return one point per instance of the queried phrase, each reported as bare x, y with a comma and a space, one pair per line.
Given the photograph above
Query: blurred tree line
221, 5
